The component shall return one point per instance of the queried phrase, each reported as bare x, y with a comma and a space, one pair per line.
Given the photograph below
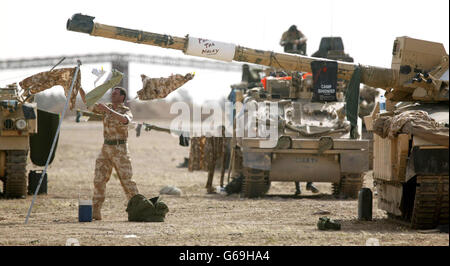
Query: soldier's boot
96, 213
210, 190
184, 164
298, 191
311, 187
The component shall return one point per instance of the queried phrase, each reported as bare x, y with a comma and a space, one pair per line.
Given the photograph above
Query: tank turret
332, 48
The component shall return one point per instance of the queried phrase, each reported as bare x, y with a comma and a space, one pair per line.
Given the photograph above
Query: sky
368, 29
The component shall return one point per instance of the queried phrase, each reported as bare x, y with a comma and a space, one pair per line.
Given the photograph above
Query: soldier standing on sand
114, 153
293, 41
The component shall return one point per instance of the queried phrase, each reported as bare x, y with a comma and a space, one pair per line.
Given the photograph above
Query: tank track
256, 182
349, 186
431, 202
16, 177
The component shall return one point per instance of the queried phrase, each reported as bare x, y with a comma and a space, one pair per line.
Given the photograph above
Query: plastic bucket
85, 210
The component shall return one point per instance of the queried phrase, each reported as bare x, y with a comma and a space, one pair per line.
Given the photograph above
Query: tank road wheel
349, 186
16, 177
256, 183
431, 202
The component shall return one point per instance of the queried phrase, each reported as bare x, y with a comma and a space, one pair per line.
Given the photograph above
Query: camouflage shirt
45, 80
156, 88
112, 128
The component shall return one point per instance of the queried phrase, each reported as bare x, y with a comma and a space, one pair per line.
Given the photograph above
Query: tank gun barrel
378, 77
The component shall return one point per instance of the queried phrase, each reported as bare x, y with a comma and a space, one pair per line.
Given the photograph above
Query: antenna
331, 20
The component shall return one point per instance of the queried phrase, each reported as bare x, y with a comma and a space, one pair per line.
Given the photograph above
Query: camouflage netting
416, 122
45, 80
156, 88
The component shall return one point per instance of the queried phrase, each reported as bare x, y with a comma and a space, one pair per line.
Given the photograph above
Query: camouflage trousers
117, 157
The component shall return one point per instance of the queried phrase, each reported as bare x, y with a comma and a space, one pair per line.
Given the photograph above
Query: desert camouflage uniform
287, 40
116, 156
46, 80
156, 88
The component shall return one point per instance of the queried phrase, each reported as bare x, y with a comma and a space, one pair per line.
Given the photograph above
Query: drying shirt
112, 128
94, 95
49, 79
156, 88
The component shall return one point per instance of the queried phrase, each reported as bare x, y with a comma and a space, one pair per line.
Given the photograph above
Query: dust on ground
195, 217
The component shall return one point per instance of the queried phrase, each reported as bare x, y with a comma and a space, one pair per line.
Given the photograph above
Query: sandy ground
195, 217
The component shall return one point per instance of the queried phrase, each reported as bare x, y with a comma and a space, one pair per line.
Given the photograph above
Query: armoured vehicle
313, 144
401, 83
24, 130
18, 120
411, 138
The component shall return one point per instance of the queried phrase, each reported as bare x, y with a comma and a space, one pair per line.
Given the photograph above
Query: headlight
21, 124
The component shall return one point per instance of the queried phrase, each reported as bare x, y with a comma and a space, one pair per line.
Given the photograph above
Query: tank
416, 76
314, 141
18, 120
411, 138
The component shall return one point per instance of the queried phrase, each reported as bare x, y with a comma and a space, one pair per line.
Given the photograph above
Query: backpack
141, 209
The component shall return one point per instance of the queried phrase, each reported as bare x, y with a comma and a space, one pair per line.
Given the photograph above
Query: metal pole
60, 61
54, 139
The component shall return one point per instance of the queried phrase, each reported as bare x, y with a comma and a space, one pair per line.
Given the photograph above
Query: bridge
120, 61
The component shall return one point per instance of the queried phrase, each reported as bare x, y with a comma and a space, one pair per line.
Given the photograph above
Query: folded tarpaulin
416, 122
46, 80
156, 88
94, 95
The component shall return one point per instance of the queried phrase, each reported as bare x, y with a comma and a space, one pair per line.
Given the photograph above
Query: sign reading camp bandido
324, 81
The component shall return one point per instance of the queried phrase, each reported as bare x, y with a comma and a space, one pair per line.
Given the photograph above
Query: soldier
293, 41
309, 186
114, 153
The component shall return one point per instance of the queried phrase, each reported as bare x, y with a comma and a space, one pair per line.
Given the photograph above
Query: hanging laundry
94, 95
156, 88
46, 80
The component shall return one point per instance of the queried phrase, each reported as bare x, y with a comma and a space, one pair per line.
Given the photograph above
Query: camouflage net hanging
156, 88
416, 122
205, 151
45, 80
